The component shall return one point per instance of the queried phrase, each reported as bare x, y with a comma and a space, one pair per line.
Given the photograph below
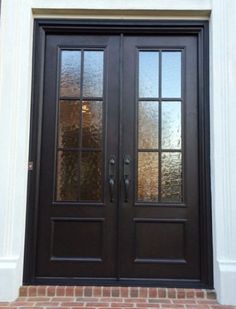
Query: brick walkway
51, 297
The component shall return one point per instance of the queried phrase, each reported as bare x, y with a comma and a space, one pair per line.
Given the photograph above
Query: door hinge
30, 165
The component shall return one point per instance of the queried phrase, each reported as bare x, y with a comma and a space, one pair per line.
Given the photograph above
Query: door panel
77, 225
159, 227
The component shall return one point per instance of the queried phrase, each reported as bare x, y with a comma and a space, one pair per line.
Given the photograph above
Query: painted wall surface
16, 37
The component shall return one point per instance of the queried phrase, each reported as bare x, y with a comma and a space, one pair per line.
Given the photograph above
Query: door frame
200, 29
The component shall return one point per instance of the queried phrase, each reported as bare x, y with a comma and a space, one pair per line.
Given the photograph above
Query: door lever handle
111, 177
127, 162
126, 182
111, 188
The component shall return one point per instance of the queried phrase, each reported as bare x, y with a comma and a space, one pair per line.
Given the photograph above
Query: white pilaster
223, 147
15, 75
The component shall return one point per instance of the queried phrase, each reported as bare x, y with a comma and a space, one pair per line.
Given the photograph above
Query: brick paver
64, 297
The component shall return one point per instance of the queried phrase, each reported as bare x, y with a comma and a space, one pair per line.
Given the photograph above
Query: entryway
118, 189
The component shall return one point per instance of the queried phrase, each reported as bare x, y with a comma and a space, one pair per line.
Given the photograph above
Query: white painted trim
16, 35
182, 15
15, 96
226, 272
223, 139
9, 266
169, 5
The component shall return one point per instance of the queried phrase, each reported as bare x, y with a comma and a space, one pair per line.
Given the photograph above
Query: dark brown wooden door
77, 225
118, 185
159, 223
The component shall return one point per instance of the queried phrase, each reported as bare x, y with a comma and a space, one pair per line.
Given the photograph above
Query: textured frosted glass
67, 175
91, 176
148, 125
148, 176
148, 74
171, 125
69, 124
171, 177
171, 74
93, 74
70, 73
92, 124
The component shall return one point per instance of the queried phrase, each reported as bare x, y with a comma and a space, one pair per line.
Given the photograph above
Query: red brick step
96, 297
123, 292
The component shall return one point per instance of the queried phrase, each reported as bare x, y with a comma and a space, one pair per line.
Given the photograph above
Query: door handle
127, 162
111, 177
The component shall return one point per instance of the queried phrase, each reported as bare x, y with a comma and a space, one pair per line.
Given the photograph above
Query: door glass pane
148, 176
171, 177
171, 125
159, 127
91, 173
69, 123
92, 124
67, 175
70, 73
93, 74
148, 125
171, 74
80, 127
148, 74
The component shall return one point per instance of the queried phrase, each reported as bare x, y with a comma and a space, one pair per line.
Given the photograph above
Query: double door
118, 185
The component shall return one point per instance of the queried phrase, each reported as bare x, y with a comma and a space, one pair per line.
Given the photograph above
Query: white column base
226, 282
10, 280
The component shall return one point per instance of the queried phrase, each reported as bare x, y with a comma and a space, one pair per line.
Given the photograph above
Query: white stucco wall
16, 36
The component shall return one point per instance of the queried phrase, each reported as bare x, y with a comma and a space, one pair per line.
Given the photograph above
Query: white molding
123, 5
122, 14
9, 266
15, 91
223, 159
226, 282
